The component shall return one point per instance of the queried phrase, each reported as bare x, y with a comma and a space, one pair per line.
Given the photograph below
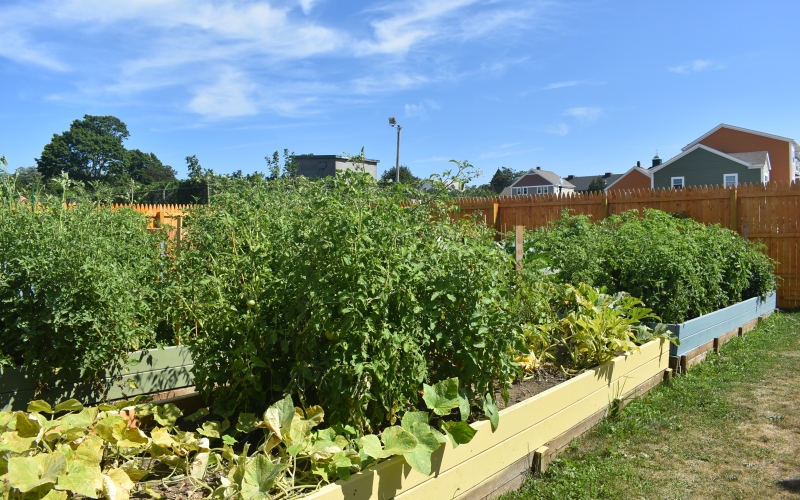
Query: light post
394, 124
560, 185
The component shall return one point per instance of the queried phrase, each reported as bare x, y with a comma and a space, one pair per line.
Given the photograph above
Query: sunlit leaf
442, 396
259, 477
398, 440
278, 417
247, 423
69, 405
82, 478
371, 445
40, 406
167, 415
458, 432
117, 485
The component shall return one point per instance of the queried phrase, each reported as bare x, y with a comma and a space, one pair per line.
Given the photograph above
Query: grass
730, 428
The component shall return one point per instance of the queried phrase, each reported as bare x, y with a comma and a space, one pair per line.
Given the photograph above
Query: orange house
635, 178
784, 153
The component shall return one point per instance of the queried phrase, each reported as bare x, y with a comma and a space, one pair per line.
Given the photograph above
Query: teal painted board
699, 331
150, 371
704, 168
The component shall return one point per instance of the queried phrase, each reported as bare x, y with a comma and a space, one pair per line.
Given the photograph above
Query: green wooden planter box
149, 372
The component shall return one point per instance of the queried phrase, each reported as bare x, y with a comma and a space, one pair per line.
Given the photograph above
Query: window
730, 180
677, 183
520, 191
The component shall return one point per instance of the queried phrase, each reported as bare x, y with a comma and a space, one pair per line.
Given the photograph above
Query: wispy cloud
557, 129
696, 66
569, 83
421, 109
221, 59
584, 114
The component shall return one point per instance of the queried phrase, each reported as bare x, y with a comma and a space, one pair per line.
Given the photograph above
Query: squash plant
115, 450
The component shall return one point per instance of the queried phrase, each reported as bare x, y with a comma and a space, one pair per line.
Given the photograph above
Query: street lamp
560, 185
394, 124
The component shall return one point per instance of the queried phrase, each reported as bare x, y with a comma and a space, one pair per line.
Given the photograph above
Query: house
583, 182
701, 165
635, 178
538, 181
329, 165
784, 153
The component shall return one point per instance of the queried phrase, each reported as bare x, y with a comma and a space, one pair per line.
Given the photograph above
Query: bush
78, 285
342, 293
680, 268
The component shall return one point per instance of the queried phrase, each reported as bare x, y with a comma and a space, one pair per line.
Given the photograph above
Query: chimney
638, 164
570, 177
656, 160
538, 168
608, 174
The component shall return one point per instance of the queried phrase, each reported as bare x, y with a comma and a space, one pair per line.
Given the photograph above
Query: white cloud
420, 109
307, 5
695, 66
231, 95
584, 114
558, 129
225, 58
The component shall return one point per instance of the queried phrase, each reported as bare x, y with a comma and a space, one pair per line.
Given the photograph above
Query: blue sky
577, 87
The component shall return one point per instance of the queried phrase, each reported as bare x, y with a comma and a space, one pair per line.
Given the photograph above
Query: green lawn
729, 429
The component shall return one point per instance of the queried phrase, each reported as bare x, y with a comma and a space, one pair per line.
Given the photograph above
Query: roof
740, 129
757, 158
711, 150
551, 177
337, 157
638, 169
582, 183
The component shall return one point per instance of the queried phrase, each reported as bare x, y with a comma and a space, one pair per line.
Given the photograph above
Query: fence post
605, 207
733, 201
178, 234
518, 245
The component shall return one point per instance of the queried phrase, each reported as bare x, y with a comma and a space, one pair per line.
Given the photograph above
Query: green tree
406, 177
598, 185
503, 178
28, 177
146, 168
90, 150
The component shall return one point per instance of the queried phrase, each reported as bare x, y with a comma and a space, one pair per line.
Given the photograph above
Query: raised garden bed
530, 431
700, 335
167, 372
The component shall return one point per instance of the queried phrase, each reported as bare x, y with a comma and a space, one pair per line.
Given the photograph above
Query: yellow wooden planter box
524, 427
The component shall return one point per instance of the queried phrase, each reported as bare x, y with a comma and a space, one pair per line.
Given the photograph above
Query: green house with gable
704, 166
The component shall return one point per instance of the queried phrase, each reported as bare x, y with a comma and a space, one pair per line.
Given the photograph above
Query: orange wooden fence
157, 214
769, 213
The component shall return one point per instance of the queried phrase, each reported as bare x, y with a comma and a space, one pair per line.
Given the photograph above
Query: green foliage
342, 293
503, 178
678, 267
598, 185
112, 450
406, 177
91, 149
579, 327
78, 284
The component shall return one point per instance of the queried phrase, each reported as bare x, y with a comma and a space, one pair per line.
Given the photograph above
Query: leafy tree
90, 150
146, 168
503, 178
28, 177
406, 177
598, 185
289, 168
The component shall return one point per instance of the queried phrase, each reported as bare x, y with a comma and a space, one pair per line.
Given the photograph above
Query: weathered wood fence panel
770, 213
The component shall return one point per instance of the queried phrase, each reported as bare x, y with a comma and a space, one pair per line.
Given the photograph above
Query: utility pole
394, 124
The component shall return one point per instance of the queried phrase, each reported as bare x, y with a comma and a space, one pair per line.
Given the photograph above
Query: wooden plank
542, 415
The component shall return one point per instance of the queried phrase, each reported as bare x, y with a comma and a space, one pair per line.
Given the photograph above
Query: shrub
347, 295
678, 267
78, 285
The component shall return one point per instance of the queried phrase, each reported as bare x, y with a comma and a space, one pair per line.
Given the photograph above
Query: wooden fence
770, 213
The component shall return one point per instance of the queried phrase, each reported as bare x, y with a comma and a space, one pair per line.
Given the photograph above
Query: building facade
316, 166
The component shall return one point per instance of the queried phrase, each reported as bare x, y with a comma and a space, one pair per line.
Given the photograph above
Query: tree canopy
92, 150
503, 178
406, 177
597, 185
